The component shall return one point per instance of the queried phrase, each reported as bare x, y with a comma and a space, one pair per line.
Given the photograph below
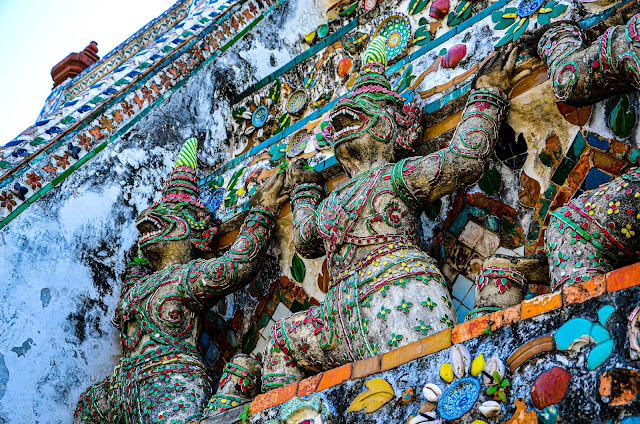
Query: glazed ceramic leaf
298, 269
234, 178
349, 10
462, 12
250, 339
622, 118
237, 114
422, 35
277, 151
543, 19
379, 393
558, 10
274, 92
283, 122
508, 36
521, 30
416, 6
404, 80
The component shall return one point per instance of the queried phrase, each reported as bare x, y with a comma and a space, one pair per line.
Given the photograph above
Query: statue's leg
94, 405
404, 310
173, 390
240, 383
504, 281
300, 344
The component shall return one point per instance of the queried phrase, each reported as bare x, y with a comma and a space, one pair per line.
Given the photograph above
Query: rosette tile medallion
384, 291
297, 143
396, 29
459, 398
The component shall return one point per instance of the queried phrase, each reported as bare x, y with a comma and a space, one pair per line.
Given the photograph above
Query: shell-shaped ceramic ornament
490, 409
431, 392
460, 360
493, 364
428, 417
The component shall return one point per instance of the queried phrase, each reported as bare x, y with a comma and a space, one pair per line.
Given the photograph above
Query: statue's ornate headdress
372, 79
181, 190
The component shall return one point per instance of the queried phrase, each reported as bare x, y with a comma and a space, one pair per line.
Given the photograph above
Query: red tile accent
334, 377
365, 368
541, 304
581, 292
308, 385
623, 278
264, 401
287, 392
434, 343
505, 317
469, 330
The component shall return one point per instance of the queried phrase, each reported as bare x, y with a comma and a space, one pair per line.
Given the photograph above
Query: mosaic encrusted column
240, 382
585, 75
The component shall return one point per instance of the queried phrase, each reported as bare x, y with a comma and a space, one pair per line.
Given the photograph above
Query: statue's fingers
282, 199
521, 75
278, 182
511, 62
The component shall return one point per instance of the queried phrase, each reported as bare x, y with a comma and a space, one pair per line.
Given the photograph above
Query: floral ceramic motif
517, 18
396, 28
297, 102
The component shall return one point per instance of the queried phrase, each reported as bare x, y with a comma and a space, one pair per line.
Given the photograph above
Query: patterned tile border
617, 280
119, 54
115, 116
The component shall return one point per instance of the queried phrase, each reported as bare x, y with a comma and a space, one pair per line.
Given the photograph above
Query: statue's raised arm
428, 178
583, 74
308, 192
216, 277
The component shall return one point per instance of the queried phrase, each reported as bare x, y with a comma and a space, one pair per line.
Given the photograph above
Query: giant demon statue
161, 377
595, 232
384, 291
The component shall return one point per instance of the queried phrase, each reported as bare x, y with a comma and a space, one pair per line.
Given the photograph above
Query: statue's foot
239, 384
504, 281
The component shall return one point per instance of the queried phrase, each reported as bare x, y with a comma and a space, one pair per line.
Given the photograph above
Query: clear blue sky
37, 34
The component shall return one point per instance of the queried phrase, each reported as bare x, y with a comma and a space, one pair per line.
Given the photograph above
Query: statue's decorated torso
364, 213
160, 309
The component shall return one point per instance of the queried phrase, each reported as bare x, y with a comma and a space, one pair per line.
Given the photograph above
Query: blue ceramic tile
599, 355
461, 312
594, 178
596, 141
493, 223
604, 313
461, 287
458, 225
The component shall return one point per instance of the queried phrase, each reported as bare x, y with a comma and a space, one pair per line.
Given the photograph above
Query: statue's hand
529, 40
270, 193
497, 72
299, 173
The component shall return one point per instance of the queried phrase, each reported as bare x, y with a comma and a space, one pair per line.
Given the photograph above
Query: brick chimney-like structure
75, 63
